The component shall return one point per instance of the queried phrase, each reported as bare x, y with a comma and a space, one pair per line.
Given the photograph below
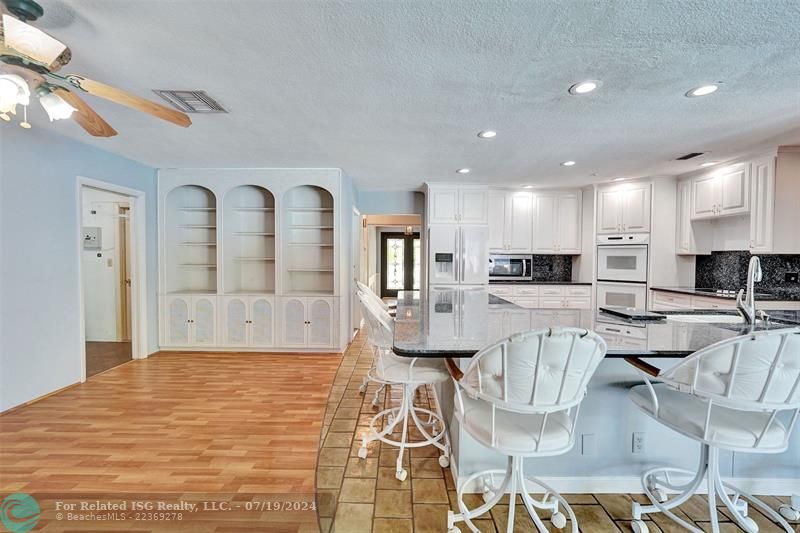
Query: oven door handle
525, 263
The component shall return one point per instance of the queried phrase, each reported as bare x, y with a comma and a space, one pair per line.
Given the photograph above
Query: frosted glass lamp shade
13, 91
57, 108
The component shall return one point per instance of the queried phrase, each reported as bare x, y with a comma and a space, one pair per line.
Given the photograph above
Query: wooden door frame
407, 257
138, 261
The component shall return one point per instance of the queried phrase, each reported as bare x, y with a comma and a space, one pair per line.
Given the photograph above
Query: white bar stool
521, 397
410, 373
740, 394
388, 312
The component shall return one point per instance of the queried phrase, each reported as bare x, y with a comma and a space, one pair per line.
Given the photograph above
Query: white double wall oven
250, 259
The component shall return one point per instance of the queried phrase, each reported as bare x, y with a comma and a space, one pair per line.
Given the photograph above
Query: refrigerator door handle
456, 255
463, 258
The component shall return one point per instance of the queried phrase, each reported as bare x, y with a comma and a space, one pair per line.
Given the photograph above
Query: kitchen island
452, 322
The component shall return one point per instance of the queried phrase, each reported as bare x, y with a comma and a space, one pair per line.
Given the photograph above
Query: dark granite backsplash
728, 270
552, 268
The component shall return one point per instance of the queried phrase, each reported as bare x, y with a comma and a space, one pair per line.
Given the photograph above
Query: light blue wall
39, 314
391, 202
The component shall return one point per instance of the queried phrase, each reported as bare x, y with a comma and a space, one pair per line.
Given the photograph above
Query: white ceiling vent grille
192, 101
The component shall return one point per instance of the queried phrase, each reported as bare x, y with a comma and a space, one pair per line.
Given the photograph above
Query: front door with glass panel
400, 263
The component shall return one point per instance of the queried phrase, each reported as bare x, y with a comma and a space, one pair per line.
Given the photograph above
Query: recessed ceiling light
709, 163
703, 90
583, 87
463, 171
487, 134
567, 163
527, 186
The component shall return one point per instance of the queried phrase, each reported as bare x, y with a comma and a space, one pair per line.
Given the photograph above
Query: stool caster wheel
558, 520
375, 403
401, 475
444, 461
362, 452
488, 495
363, 388
639, 527
752, 527
789, 512
660, 495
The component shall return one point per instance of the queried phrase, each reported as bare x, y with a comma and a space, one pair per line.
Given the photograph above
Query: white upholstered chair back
379, 323
369, 293
758, 371
537, 371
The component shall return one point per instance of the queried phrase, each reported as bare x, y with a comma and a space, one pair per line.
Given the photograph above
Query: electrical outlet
791, 277
588, 446
637, 442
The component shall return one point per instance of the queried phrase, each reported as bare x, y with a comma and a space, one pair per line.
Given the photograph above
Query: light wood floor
186, 426
358, 495
100, 356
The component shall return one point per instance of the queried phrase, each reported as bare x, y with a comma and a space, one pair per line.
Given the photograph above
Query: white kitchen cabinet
702, 302
669, 301
624, 208
247, 321
724, 192
532, 296
191, 320
510, 221
557, 222
762, 197
307, 321
684, 238
458, 205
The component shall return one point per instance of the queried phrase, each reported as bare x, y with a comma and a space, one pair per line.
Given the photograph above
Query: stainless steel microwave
510, 267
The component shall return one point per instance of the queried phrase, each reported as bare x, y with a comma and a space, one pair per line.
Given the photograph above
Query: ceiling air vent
688, 156
192, 101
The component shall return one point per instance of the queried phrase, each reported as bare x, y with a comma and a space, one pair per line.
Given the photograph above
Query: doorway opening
400, 262
107, 272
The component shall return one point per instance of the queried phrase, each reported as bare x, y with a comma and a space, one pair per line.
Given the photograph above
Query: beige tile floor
356, 495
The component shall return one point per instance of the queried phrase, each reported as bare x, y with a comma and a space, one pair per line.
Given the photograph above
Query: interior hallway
101, 356
197, 426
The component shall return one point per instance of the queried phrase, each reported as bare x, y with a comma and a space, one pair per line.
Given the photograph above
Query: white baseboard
633, 485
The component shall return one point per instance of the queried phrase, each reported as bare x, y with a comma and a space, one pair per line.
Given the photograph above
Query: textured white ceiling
395, 92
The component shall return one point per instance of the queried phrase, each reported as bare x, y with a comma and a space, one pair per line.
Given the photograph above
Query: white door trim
138, 260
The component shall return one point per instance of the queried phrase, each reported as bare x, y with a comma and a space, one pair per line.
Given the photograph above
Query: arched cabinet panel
234, 323
249, 240
294, 322
320, 326
178, 320
261, 322
204, 321
191, 240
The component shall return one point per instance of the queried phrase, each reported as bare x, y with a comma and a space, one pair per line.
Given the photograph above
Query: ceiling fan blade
130, 100
86, 116
31, 42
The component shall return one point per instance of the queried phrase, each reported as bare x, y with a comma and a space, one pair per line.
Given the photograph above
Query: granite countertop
458, 322
766, 295
535, 282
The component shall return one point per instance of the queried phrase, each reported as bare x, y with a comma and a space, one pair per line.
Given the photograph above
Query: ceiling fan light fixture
13, 90
56, 107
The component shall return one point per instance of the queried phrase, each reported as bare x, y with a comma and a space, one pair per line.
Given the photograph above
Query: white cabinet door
762, 213
636, 208
234, 321
518, 322
204, 321
294, 322
705, 191
569, 223
497, 221
262, 321
519, 223
320, 322
545, 232
473, 206
443, 204
178, 320
734, 191
609, 211
684, 237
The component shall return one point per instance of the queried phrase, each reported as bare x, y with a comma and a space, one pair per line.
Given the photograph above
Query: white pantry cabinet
457, 205
762, 212
510, 221
624, 208
191, 320
308, 321
723, 192
557, 222
247, 321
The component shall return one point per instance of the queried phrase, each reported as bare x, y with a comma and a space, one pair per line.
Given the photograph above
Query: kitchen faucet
747, 308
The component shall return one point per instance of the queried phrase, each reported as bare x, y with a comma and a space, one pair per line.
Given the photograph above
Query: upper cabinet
457, 205
557, 222
511, 221
624, 208
762, 212
724, 192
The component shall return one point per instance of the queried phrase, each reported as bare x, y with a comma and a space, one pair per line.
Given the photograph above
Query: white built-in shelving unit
249, 259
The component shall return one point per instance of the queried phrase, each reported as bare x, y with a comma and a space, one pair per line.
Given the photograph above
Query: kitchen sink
707, 319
